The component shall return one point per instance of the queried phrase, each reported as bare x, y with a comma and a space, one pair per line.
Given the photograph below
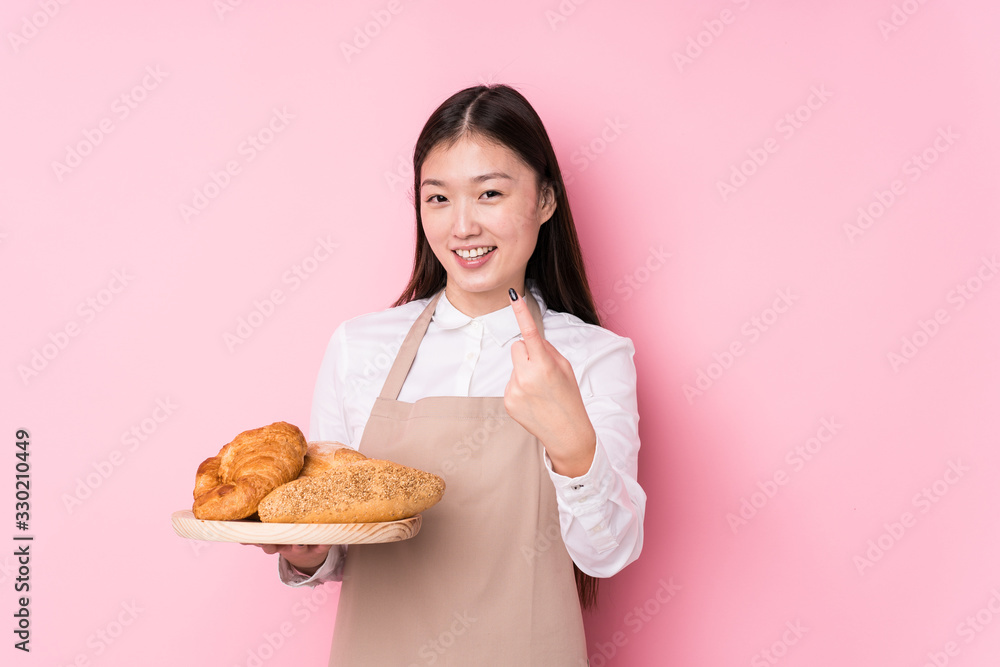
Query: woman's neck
477, 304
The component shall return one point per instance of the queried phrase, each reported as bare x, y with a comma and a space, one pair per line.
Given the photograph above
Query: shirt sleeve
601, 512
326, 422
332, 569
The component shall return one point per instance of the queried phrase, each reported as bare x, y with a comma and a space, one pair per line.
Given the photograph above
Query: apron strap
408, 350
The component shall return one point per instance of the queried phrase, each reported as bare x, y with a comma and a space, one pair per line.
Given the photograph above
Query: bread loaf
368, 490
230, 486
321, 457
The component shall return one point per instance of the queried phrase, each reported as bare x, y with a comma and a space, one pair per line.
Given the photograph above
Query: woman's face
481, 212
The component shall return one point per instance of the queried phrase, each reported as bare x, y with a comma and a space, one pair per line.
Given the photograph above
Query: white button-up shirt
600, 512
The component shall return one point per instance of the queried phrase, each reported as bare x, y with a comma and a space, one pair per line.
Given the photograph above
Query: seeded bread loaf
321, 457
364, 491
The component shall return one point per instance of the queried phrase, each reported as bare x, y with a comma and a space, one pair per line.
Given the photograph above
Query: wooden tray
256, 532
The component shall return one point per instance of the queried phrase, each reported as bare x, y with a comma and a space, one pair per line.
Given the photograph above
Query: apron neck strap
408, 350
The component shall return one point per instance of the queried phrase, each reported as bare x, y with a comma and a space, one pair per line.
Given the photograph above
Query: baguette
365, 491
322, 457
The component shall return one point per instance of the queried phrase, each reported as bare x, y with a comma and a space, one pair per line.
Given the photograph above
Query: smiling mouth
475, 253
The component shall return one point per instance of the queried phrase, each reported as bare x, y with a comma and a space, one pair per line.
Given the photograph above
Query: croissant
229, 486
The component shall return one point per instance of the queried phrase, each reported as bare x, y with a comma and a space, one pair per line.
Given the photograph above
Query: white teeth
475, 252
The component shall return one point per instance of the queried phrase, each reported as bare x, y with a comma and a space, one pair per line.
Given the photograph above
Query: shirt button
470, 356
475, 324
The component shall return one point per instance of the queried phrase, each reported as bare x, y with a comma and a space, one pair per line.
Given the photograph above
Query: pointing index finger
526, 323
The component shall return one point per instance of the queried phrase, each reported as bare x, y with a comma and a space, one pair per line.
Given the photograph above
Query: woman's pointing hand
543, 396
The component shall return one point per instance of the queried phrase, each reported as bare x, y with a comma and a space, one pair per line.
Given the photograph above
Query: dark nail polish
512, 293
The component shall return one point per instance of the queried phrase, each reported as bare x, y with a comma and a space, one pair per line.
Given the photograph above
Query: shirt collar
501, 324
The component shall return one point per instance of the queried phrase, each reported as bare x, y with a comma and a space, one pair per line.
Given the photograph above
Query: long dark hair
500, 114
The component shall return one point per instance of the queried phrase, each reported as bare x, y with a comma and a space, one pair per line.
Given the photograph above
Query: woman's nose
464, 222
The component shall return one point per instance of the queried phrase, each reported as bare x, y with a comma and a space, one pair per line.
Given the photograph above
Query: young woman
491, 370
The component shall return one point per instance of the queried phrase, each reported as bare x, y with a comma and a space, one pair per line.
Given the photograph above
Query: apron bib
487, 580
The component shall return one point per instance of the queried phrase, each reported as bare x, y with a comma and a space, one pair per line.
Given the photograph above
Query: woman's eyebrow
493, 175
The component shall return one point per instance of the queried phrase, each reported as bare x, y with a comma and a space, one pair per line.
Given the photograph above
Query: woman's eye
436, 199
490, 194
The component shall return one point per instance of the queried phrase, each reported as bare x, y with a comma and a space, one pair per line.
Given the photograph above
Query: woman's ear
546, 203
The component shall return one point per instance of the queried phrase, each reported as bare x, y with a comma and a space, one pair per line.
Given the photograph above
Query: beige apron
488, 580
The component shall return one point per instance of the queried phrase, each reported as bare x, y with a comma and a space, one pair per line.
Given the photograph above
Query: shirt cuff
331, 570
589, 498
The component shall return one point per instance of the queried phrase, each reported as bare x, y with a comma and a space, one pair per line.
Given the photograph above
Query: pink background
646, 138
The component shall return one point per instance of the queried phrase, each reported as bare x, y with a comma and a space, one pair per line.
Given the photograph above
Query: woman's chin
483, 297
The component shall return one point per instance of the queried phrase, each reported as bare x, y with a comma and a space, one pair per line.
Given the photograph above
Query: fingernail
512, 293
